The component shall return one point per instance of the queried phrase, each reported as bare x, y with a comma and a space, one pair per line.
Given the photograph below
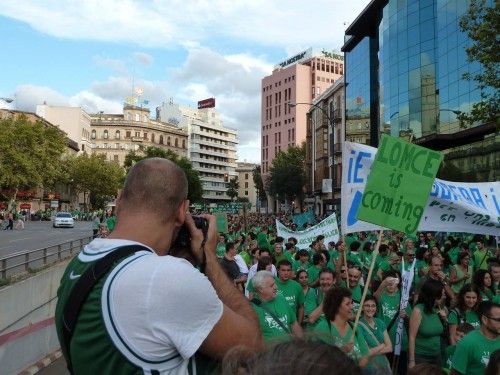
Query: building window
105, 135
168, 141
246, 185
138, 134
129, 117
145, 135
137, 117
92, 135
246, 192
161, 139
117, 134
127, 134
115, 158
153, 137
176, 142
117, 145
246, 176
183, 143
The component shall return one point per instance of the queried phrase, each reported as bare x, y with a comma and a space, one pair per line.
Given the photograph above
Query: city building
115, 135
405, 62
246, 185
324, 143
297, 80
211, 146
61, 198
72, 120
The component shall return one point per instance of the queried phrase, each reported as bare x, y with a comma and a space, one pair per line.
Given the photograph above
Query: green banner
399, 184
221, 218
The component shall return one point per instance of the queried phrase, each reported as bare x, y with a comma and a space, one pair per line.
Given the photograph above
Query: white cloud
115, 65
28, 96
163, 24
143, 58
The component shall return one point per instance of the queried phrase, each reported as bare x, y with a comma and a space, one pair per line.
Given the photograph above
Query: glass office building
405, 61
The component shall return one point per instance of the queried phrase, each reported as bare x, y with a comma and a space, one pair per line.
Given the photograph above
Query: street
40, 234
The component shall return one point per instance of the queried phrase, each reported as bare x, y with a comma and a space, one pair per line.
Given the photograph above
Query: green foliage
481, 24
30, 155
259, 185
288, 177
195, 189
232, 188
95, 175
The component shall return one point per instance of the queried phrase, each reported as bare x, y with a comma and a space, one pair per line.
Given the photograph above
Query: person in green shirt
276, 319
301, 261
336, 330
319, 262
311, 296
465, 311
481, 255
278, 250
354, 275
327, 279
473, 352
461, 331
426, 327
220, 250
290, 289
111, 222
482, 279
461, 273
375, 333
353, 255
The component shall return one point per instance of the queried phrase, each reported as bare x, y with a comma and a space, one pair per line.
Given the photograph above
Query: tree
232, 188
30, 156
259, 185
195, 189
287, 174
94, 175
481, 24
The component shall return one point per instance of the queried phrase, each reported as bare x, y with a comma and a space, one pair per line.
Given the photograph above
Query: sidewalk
53, 364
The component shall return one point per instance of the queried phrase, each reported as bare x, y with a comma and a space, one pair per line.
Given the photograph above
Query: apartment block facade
211, 146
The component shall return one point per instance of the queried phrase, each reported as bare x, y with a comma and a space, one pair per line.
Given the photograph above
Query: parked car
63, 219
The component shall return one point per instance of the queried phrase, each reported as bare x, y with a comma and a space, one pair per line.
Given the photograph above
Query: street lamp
332, 145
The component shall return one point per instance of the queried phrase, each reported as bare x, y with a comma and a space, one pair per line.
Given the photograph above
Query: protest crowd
247, 300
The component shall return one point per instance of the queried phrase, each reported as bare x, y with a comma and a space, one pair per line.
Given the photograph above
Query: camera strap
84, 286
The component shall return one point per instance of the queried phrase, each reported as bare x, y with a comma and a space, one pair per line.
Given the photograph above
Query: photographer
152, 312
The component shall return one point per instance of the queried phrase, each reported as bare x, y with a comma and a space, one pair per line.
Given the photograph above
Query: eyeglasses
492, 318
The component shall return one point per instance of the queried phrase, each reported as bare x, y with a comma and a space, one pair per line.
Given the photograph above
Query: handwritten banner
327, 227
469, 207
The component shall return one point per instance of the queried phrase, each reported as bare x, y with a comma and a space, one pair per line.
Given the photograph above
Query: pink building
298, 79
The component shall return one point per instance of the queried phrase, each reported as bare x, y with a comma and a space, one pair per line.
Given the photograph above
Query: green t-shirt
481, 259
311, 301
473, 353
387, 307
470, 317
448, 356
292, 292
366, 260
270, 328
357, 293
313, 274
374, 336
111, 223
354, 257
220, 250
428, 340
296, 266
329, 334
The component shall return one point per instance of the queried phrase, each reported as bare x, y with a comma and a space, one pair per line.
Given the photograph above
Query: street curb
42, 363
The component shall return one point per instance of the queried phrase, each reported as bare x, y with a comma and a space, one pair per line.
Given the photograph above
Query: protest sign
399, 184
327, 227
407, 280
451, 206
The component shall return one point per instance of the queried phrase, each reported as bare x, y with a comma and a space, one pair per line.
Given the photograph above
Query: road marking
20, 239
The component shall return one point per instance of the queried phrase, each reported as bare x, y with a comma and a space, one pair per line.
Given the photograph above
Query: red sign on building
25, 206
206, 103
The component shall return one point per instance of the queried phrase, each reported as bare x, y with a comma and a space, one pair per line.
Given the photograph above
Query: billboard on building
206, 103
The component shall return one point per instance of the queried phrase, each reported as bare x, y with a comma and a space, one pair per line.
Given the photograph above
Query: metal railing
26, 261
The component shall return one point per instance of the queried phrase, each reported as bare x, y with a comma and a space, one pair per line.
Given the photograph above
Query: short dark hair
299, 272
230, 245
333, 299
485, 307
284, 262
355, 246
461, 256
328, 270
263, 263
317, 258
320, 237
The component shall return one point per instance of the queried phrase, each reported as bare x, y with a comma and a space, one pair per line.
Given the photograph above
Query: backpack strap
82, 289
257, 302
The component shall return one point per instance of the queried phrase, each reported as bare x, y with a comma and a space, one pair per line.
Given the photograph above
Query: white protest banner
328, 228
407, 277
469, 207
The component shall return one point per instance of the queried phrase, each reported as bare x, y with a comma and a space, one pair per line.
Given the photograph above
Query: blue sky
89, 53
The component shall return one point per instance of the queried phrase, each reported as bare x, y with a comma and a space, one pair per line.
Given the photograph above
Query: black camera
183, 240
